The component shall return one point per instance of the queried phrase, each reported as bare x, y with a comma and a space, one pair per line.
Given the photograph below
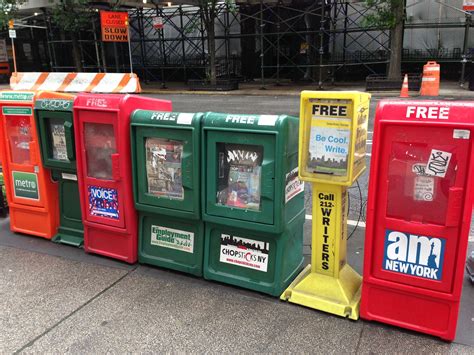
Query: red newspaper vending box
419, 214
105, 171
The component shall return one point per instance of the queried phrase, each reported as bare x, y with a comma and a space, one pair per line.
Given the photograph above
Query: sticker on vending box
103, 202
172, 238
461, 134
419, 169
438, 163
293, 185
415, 255
25, 185
248, 253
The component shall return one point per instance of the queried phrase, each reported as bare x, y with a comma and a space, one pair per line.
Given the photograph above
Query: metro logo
414, 255
432, 112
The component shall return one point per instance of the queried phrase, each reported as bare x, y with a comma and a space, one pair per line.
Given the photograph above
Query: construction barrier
430, 81
77, 82
4, 68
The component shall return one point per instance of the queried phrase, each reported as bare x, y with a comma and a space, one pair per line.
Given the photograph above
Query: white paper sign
438, 163
248, 253
424, 188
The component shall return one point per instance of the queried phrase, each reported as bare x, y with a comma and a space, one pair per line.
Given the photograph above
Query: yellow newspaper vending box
333, 134
332, 141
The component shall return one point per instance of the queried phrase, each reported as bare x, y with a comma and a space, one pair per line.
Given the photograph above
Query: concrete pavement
55, 305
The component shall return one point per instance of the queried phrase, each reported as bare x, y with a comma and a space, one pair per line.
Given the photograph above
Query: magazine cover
163, 168
330, 138
59, 141
103, 202
240, 172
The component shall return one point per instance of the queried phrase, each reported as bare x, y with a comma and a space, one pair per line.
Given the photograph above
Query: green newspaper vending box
166, 185
54, 119
253, 201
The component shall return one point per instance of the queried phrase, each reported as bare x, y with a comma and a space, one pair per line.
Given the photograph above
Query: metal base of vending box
32, 221
69, 236
278, 257
339, 296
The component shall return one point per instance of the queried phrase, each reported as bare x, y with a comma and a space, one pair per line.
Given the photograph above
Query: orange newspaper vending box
31, 193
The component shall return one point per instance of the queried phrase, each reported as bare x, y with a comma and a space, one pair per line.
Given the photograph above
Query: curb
257, 92
224, 93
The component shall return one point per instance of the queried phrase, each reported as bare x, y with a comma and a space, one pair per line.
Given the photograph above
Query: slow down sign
114, 26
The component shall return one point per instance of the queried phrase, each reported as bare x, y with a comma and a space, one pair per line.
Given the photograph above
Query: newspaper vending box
419, 215
102, 133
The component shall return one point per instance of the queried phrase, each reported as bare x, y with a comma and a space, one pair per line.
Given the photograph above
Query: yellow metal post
333, 133
328, 284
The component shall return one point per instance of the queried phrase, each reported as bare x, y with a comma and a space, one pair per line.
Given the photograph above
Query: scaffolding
267, 40
300, 40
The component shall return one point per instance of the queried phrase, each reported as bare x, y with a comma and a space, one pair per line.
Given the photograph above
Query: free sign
433, 112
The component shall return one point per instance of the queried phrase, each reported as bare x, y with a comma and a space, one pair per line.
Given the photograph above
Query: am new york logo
415, 255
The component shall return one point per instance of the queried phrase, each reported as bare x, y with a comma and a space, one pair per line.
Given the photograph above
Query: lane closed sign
114, 26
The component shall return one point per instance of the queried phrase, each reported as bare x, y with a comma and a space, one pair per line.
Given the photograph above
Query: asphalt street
56, 298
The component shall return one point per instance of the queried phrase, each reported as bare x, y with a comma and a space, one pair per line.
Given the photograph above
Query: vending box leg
329, 284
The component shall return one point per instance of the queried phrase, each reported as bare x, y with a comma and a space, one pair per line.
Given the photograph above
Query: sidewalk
448, 89
57, 299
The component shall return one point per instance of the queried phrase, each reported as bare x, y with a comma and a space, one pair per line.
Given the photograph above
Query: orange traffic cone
404, 91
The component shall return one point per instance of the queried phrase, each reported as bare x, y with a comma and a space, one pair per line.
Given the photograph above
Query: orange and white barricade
76, 82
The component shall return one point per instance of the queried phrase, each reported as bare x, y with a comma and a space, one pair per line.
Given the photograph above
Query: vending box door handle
69, 140
33, 153
187, 171
115, 166
455, 199
268, 179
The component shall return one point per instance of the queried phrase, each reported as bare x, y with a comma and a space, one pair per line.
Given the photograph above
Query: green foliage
383, 13
8, 9
209, 8
72, 15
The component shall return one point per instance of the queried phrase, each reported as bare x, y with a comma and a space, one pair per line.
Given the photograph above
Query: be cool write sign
330, 137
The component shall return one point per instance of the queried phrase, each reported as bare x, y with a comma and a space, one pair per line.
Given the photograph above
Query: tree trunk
396, 43
76, 52
211, 48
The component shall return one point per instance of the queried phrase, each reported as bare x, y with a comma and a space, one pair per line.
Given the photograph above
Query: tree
210, 11
209, 14
73, 16
8, 8
390, 14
